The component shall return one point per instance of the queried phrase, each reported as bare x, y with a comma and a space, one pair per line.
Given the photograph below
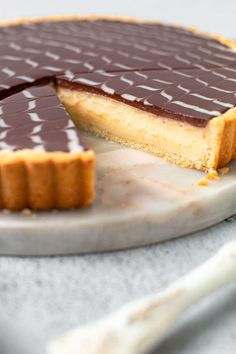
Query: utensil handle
143, 324
216, 272
137, 327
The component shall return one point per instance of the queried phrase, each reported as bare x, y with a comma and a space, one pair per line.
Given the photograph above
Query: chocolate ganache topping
162, 69
35, 119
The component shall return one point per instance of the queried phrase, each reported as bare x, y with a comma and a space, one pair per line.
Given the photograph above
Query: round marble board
140, 200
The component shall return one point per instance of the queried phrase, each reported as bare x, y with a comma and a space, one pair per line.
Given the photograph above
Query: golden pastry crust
38, 180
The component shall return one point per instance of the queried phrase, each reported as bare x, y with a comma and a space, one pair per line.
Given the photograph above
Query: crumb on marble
224, 170
29, 212
203, 182
26, 212
213, 175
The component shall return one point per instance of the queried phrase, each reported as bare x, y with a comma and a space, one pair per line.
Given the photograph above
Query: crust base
38, 180
181, 143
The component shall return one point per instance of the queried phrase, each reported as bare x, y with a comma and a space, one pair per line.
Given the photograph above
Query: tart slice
43, 164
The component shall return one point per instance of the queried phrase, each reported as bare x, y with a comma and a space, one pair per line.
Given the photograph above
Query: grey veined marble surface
140, 200
42, 297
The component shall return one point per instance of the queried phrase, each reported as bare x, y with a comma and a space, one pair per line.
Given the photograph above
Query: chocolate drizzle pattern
184, 96
163, 69
35, 119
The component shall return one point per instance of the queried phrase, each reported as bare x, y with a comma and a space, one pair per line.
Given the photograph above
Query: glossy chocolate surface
162, 69
35, 119
178, 96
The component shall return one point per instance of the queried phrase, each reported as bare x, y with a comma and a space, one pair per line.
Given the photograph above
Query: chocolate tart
168, 90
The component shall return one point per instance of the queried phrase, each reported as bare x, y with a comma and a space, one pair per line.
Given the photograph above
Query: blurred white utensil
138, 326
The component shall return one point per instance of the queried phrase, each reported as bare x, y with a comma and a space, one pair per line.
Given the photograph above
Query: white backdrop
212, 15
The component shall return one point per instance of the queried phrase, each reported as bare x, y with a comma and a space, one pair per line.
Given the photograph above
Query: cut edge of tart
203, 148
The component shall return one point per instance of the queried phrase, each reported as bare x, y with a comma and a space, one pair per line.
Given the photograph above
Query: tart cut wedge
43, 164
